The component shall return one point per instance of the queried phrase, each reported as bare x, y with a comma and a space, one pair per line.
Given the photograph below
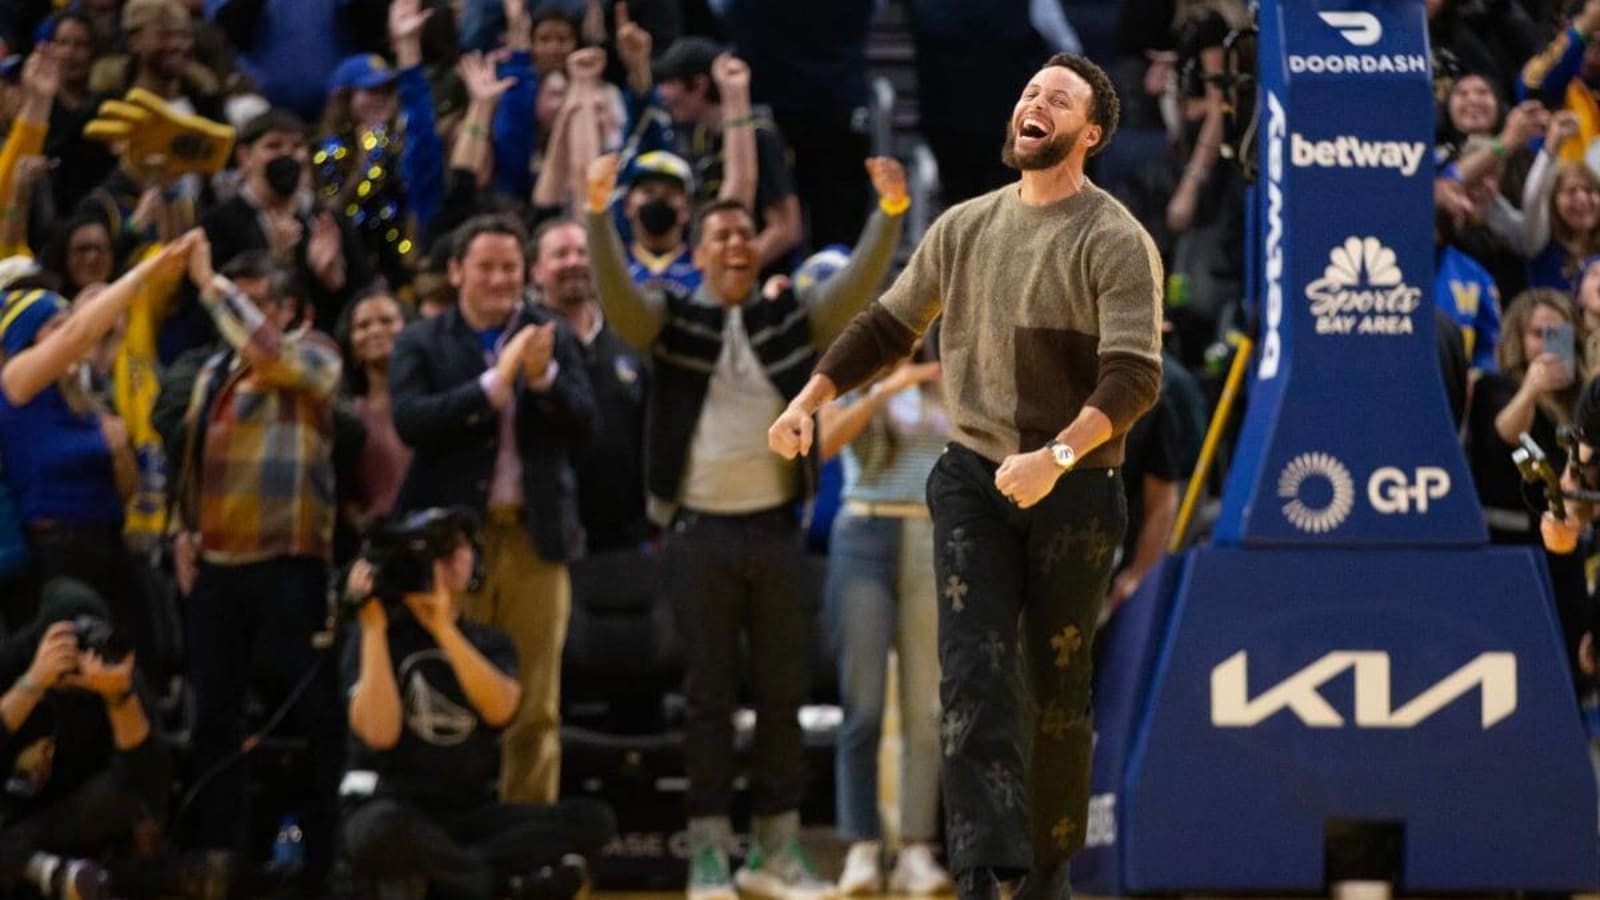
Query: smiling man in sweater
1051, 299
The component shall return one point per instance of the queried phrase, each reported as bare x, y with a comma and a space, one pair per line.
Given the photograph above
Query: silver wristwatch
1064, 456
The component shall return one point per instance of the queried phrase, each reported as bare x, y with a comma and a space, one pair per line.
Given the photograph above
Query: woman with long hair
356, 162
880, 596
373, 322
1533, 393
1561, 211
66, 457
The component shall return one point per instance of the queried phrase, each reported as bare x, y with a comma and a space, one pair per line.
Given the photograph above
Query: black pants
829, 177
733, 576
245, 619
1019, 594
467, 856
100, 815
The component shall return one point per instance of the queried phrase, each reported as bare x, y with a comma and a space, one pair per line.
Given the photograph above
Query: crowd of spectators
279, 274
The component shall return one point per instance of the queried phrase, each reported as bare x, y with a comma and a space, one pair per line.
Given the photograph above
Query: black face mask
658, 217
283, 175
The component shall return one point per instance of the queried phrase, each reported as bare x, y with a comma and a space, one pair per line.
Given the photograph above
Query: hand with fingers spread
478, 76
325, 252
406, 20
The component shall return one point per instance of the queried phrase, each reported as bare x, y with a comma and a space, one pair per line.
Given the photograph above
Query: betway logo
1346, 152
1272, 341
1301, 693
1359, 28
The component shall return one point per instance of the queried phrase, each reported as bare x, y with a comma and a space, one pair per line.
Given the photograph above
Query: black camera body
402, 551
96, 635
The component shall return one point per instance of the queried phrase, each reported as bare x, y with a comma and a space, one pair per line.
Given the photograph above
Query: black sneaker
566, 880
1054, 883
978, 884
80, 879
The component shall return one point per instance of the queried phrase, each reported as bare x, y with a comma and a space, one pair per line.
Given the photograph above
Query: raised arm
1541, 183
834, 302
514, 137
875, 339
637, 318
37, 367
485, 91
422, 154
304, 361
740, 167
585, 68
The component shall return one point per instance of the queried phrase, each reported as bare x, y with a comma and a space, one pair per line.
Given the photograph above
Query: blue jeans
880, 595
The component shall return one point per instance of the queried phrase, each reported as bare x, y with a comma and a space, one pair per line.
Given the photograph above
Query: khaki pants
529, 599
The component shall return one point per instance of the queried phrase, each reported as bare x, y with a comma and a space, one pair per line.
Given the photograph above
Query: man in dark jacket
493, 398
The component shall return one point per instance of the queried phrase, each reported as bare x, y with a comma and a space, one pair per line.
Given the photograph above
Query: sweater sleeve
885, 333
834, 302
1126, 284
422, 156
1546, 76
513, 134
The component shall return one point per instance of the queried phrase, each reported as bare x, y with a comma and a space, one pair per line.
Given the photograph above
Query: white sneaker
863, 874
783, 874
917, 873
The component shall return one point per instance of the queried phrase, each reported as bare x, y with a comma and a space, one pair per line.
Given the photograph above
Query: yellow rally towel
135, 385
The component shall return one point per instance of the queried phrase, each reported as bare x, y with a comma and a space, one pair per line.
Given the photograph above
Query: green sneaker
709, 878
786, 873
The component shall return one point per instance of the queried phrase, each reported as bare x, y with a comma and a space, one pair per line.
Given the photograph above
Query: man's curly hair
1106, 109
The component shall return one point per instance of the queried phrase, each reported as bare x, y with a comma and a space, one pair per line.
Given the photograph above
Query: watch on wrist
1064, 456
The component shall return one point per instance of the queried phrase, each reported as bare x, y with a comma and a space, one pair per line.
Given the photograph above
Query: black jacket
442, 412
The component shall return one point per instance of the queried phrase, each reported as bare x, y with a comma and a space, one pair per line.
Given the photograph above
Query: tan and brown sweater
1046, 309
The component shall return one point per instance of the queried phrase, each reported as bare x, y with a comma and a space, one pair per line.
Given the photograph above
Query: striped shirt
890, 459
266, 475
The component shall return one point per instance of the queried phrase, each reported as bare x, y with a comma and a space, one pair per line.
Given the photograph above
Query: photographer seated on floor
86, 780
430, 695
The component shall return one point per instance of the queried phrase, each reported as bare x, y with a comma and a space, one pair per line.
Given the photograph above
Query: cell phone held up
1559, 341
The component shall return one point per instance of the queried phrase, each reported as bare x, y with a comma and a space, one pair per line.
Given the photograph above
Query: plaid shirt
266, 470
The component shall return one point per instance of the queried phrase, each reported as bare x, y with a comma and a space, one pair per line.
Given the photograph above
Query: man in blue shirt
657, 210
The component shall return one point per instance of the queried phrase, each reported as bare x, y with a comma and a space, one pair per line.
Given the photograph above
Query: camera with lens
402, 552
96, 635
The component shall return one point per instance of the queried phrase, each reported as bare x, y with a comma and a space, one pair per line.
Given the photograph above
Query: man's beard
569, 291
1049, 156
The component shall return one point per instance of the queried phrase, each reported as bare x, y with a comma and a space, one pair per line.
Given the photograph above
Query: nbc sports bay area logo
1317, 491
1363, 291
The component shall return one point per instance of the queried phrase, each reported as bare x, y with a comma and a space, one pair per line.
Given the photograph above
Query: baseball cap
363, 71
821, 266
661, 164
687, 56
142, 13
